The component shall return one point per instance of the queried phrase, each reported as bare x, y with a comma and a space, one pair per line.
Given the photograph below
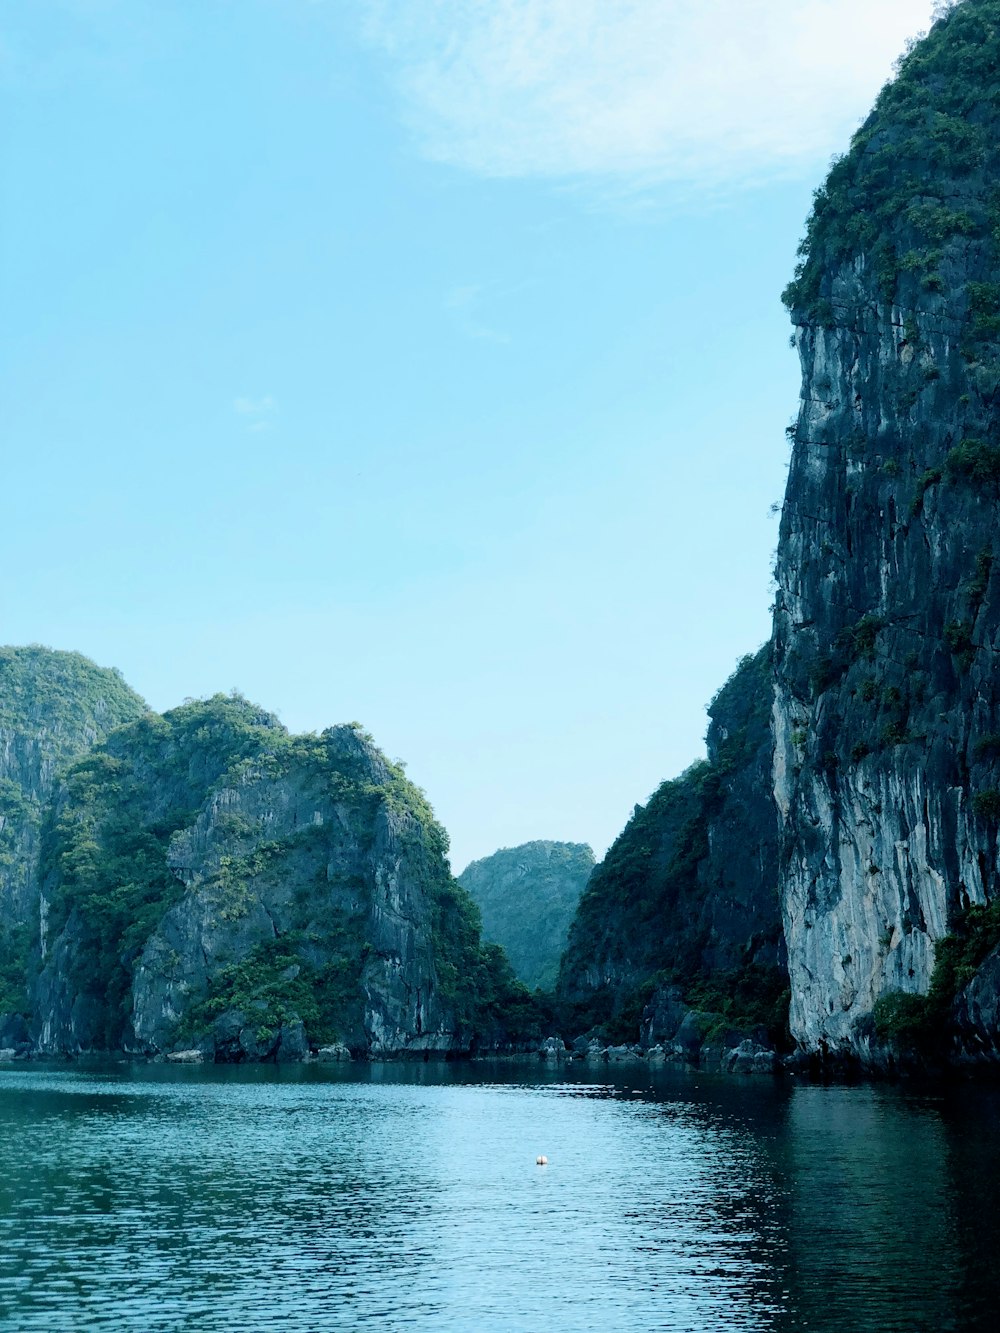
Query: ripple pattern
403, 1197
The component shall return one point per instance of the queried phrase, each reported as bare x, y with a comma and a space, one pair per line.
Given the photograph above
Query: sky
416, 362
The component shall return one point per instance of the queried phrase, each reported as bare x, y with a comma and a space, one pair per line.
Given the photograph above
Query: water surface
407, 1197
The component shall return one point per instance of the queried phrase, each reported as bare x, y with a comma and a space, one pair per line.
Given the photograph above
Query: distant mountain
528, 896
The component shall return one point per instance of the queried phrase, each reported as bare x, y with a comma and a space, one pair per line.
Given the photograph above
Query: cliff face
215, 883
887, 624
684, 909
527, 896
53, 707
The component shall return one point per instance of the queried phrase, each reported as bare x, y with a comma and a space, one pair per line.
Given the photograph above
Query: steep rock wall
887, 623
214, 883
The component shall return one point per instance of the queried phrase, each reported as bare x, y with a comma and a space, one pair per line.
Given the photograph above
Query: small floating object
541, 1160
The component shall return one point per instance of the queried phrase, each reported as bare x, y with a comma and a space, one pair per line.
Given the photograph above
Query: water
407, 1197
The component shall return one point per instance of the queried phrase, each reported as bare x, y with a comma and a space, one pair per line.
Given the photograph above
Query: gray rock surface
887, 622
296, 892
333, 1053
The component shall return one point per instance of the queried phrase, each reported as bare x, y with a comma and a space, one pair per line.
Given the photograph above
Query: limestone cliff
887, 623
54, 706
684, 909
215, 883
527, 897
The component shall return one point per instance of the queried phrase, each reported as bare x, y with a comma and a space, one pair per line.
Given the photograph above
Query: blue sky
419, 363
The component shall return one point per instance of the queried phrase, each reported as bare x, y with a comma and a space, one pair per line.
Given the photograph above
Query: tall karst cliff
887, 627
54, 707
527, 896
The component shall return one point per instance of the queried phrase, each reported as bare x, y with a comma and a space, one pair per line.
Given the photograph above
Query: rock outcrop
527, 897
887, 624
216, 885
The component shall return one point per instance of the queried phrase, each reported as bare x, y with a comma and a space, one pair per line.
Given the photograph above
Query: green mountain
527, 896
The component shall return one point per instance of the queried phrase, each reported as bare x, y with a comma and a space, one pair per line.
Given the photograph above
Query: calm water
406, 1197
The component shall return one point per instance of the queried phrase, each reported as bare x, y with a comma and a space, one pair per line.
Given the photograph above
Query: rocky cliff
53, 707
527, 897
215, 884
683, 913
887, 624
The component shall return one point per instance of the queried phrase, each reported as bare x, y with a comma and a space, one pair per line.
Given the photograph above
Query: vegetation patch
274, 985
974, 461
958, 637
916, 181
853, 643
986, 805
920, 1023
476, 980
901, 1018
924, 482
14, 970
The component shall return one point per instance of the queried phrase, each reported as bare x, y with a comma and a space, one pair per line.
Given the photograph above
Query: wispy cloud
462, 303
257, 412
687, 91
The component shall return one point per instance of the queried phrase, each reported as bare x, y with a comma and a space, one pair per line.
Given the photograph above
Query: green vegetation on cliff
527, 896
106, 847
14, 952
65, 692
54, 706
884, 201
304, 869
687, 895
476, 978
922, 1023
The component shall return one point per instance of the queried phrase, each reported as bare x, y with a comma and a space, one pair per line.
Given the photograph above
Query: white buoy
541, 1161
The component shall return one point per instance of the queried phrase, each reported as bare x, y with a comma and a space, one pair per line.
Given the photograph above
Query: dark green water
407, 1197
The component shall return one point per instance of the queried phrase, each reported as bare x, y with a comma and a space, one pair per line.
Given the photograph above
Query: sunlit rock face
886, 640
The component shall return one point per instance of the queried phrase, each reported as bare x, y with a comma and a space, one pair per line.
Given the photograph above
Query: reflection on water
407, 1197
870, 1225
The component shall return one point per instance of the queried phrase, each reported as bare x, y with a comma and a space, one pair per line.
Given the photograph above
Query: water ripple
402, 1198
